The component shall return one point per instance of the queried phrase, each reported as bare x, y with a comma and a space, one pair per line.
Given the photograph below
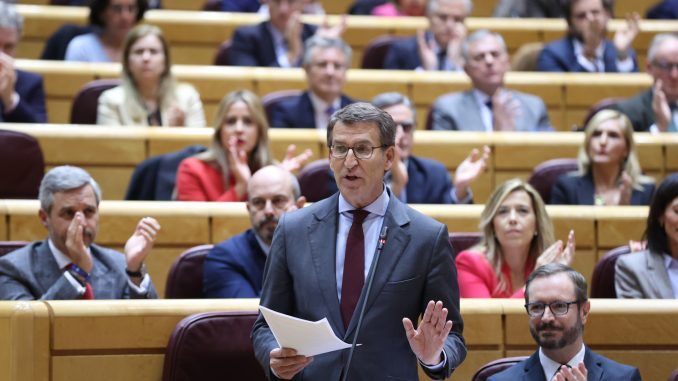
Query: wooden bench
111, 153
188, 224
196, 36
71, 340
568, 96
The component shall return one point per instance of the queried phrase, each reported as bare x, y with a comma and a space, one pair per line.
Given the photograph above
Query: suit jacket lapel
471, 112
45, 266
586, 190
533, 369
322, 232
661, 284
306, 111
593, 366
268, 51
397, 241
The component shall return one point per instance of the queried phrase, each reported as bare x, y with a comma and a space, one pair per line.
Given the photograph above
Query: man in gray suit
489, 106
321, 256
68, 265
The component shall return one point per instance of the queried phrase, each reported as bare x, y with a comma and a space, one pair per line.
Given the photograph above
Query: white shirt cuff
654, 129
15, 101
78, 287
142, 288
625, 66
465, 200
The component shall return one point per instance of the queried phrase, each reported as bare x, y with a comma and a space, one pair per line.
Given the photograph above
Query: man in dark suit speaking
321, 255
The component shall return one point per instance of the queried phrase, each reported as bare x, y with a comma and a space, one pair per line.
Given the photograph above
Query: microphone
370, 279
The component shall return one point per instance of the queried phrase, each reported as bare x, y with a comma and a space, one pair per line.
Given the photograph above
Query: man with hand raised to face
558, 308
321, 256
68, 265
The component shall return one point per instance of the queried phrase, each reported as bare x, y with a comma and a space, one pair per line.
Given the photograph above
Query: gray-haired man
68, 265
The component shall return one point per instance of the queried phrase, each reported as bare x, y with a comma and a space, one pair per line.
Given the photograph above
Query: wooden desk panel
24, 341
618, 225
110, 367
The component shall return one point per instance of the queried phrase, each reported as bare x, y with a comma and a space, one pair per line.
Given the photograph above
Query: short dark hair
97, 8
363, 112
567, 5
551, 269
657, 241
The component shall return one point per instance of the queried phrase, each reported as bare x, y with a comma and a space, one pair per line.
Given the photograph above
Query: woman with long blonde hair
517, 238
239, 148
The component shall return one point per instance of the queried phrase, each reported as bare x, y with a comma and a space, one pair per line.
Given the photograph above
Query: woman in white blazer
149, 95
653, 273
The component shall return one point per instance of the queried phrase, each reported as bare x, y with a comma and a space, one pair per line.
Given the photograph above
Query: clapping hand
469, 170
660, 106
505, 110
239, 166
139, 245
557, 254
625, 35
578, 373
293, 163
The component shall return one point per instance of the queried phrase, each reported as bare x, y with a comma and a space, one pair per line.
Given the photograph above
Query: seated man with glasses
656, 109
234, 268
558, 308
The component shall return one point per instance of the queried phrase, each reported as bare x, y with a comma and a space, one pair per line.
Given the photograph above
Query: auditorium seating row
568, 96
188, 224
196, 36
126, 340
481, 8
111, 153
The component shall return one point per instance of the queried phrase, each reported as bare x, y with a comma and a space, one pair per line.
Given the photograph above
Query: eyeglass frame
354, 154
665, 66
544, 305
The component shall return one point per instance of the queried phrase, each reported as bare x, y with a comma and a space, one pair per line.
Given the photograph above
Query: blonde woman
149, 95
239, 148
609, 171
517, 238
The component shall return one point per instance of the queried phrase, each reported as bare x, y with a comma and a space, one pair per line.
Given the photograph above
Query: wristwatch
137, 274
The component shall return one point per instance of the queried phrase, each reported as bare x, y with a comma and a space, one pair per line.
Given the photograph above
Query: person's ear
390, 156
43, 217
585, 309
300, 202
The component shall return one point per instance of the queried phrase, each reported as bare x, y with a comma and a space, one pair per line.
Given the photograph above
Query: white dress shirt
320, 110
551, 367
485, 112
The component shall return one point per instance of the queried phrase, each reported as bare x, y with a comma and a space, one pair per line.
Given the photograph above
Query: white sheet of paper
307, 337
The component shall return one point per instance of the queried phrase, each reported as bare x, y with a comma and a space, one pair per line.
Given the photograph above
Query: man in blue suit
279, 41
234, 268
439, 48
586, 48
325, 63
556, 301
22, 97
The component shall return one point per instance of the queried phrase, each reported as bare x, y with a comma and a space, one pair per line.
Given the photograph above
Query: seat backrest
544, 175
461, 241
10, 246
593, 110
213, 346
315, 179
602, 281
212, 5
86, 101
184, 280
375, 52
23, 165
221, 58
525, 58
496, 366
271, 99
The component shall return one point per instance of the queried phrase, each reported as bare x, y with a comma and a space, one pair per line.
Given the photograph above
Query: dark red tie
354, 266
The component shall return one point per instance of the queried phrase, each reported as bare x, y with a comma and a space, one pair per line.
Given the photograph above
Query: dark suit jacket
639, 110
572, 189
416, 266
298, 112
234, 268
559, 56
253, 45
32, 273
31, 106
599, 369
428, 182
403, 55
